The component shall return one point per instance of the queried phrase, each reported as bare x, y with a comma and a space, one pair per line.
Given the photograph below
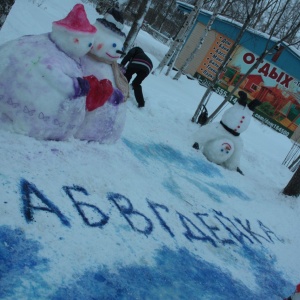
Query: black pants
136, 83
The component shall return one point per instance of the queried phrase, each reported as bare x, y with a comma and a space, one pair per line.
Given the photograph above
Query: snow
147, 217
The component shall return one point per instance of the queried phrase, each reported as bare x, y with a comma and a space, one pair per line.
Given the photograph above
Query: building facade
275, 82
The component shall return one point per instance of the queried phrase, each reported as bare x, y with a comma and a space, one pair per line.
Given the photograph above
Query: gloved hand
116, 98
84, 87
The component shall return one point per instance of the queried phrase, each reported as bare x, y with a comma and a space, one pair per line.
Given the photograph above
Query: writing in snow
232, 231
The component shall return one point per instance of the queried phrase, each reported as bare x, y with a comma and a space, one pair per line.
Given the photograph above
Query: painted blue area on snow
229, 190
204, 188
272, 281
19, 262
167, 155
177, 275
172, 187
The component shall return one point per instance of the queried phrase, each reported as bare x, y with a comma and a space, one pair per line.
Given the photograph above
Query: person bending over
141, 65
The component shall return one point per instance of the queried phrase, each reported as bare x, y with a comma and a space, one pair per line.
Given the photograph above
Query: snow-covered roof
189, 7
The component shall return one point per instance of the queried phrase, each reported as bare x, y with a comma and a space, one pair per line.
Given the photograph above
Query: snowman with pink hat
220, 142
42, 89
104, 123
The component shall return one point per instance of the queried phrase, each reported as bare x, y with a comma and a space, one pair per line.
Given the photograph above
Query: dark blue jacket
137, 59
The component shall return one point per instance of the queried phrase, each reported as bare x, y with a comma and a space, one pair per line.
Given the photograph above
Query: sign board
278, 91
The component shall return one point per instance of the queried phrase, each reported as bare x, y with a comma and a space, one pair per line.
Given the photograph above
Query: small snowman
220, 142
42, 89
105, 123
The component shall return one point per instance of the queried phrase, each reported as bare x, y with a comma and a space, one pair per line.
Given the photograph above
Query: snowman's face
73, 43
107, 43
226, 148
219, 150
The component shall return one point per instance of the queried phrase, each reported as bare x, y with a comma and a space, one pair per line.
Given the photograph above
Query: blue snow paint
231, 227
19, 262
172, 187
126, 209
213, 229
271, 281
80, 206
269, 233
193, 232
229, 190
247, 227
204, 188
176, 275
27, 190
167, 155
154, 207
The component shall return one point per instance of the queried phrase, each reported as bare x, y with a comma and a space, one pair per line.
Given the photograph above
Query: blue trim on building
289, 60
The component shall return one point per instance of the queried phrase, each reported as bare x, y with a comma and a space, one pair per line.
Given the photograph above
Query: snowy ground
148, 217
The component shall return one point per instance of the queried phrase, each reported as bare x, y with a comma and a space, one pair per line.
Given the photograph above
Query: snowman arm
205, 133
116, 98
128, 57
81, 87
66, 84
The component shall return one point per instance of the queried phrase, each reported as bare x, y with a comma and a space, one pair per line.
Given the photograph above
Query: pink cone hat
77, 20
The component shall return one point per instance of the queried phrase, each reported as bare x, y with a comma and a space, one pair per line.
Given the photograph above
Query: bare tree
129, 3
137, 24
210, 88
157, 13
5, 7
291, 14
178, 50
104, 5
201, 41
266, 16
180, 36
293, 186
265, 11
166, 15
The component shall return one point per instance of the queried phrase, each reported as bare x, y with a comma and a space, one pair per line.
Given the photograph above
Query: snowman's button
243, 117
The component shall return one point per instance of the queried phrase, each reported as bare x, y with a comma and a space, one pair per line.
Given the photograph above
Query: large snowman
220, 142
105, 123
42, 89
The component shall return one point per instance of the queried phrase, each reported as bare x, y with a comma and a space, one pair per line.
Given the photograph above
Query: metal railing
292, 160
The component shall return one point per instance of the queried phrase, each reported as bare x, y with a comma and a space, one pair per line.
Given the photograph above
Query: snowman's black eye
114, 45
90, 45
222, 150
